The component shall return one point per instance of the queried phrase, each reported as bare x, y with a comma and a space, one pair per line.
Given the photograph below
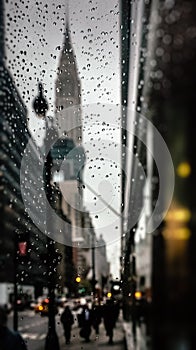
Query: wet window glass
97, 171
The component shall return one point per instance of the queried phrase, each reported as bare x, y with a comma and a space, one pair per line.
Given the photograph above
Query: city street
97, 175
33, 328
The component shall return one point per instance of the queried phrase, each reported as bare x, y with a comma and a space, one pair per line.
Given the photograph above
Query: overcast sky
34, 32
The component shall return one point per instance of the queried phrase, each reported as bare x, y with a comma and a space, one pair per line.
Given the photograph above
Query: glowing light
116, 287
83, 301
184, 169
109, 295
22, 248
78, 279
138, 295
181, 233
180, 215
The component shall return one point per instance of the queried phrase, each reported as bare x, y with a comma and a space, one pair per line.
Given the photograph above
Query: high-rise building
68, 118
22, 245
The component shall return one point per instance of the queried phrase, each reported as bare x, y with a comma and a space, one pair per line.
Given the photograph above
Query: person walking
86, 322
109, 318
67, 321
9, 340
96, 316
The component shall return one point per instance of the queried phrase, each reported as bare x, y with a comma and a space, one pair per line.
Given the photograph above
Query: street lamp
15, 316
78, 279
20, 251
40, 106
93, 262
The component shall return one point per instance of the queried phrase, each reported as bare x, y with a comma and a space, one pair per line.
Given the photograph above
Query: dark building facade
16, 226
22, 245
165, 96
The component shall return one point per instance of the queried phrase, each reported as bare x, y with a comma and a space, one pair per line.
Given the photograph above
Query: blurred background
97, 120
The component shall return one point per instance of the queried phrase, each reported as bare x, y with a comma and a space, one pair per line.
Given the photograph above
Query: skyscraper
69, 124
26, 268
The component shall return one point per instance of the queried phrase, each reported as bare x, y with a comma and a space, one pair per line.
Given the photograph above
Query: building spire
68, 87
67, 40
67, 15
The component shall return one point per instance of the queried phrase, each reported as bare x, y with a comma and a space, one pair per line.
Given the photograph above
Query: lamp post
41, 106
15, 316
93, 262
20, 251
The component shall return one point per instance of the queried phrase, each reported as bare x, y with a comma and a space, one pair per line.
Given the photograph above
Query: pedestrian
109, 317
96, 316
86, 322
67, 321
9, 340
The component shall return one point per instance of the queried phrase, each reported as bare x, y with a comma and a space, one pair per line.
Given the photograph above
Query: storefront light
184, 169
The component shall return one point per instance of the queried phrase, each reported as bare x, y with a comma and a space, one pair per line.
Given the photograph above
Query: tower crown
68, 84
68, 92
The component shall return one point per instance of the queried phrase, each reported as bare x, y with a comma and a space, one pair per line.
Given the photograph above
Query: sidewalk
140, 342
96, 342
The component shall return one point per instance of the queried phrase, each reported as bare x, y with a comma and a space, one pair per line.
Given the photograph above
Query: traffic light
22, 248
78, 279
138, 295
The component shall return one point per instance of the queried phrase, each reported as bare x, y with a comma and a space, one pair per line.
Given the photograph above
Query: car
42, 307
22, 302
38, 304
60, 300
